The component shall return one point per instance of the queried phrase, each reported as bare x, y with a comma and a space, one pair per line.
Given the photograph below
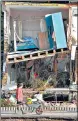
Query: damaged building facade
37, 49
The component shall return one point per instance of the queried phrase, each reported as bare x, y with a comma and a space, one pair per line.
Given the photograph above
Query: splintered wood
15, 58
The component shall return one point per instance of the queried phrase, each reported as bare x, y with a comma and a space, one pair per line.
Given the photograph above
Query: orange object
43, 40
19, 94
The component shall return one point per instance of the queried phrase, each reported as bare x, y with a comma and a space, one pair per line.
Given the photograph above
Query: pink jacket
19, 94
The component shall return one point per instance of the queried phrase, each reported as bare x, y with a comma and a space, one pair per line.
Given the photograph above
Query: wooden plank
14, 59
22, 57
43, 40
62, 50
34, 55
37, 4
25, 53
31, 56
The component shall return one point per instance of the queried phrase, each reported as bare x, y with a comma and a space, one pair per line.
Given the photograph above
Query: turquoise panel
59, 30
48, 19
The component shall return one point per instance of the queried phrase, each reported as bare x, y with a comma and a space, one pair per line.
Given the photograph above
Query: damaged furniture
55, 24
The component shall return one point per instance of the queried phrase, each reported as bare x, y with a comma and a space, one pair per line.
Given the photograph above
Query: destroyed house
34, 31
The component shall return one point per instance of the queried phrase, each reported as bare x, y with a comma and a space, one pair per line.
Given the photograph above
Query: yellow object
37, 4
29, 101
4, 80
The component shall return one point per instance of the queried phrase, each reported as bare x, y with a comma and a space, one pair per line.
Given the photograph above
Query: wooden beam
37, 4
15, 58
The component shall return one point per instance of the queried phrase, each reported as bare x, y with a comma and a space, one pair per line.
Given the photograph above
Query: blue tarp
28, 44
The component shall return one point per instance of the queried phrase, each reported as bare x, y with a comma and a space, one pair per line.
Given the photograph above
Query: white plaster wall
31, 20
30, 26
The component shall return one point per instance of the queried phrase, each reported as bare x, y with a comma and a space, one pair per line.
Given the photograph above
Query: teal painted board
59, 30
48, 19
